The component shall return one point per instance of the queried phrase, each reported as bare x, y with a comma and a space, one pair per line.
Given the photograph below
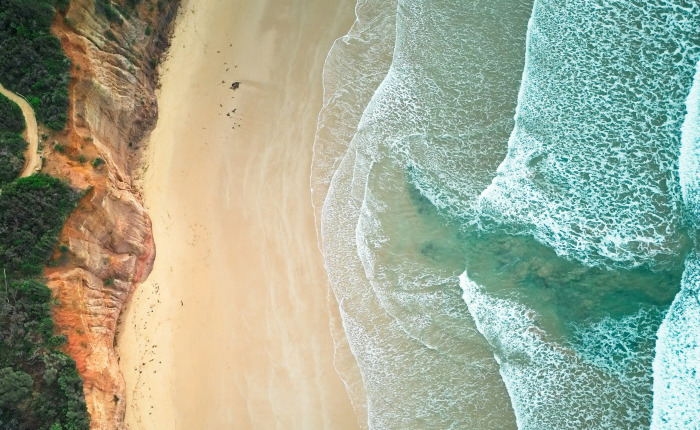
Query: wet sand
231, 330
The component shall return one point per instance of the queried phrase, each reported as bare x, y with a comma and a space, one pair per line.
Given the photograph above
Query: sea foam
592, 164
406, 190
354, 68
598, 381
592, 172
405, 332
677, 361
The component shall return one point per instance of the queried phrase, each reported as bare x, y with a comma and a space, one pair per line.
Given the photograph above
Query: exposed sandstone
111, 249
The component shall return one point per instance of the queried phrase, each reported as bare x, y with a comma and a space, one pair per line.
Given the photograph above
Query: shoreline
232, 326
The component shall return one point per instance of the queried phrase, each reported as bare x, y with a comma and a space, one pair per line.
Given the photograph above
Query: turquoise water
676, 376
507, 195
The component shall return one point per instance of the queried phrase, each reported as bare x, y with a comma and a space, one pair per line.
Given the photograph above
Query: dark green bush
106, 8
12, 147
39, 385
62, 5
15, 386
32, 213
11, 118
32, 62
123, 11
110, 35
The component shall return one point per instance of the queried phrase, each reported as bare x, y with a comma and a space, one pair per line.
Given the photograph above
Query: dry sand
231, 330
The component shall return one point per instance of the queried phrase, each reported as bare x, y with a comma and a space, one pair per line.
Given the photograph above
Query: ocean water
507, 201
676, 376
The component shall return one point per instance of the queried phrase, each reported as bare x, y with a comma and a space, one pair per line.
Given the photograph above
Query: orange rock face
106, 245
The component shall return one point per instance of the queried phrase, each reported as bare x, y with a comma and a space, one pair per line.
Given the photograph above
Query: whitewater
507, 200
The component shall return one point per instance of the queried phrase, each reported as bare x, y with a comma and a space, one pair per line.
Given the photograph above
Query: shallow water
502, 213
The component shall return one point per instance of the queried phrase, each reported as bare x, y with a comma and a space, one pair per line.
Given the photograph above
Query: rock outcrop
106, 247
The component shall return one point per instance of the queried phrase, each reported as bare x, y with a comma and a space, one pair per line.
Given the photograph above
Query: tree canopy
32, 62
12, 145
39, 385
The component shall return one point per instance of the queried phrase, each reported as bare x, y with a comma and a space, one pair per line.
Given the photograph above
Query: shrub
32, 62
32, 213
39, 385
14, 387
12, 144
105, 8
62, 5
12, 147
110, 35
11, 117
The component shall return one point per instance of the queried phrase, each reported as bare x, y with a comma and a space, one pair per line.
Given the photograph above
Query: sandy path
31, 134
231, 330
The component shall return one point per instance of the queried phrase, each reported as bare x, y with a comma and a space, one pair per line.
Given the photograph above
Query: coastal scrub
32, 62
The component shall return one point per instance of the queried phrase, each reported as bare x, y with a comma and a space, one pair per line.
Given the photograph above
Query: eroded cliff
106, 247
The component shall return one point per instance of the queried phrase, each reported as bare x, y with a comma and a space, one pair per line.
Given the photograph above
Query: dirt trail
31, 133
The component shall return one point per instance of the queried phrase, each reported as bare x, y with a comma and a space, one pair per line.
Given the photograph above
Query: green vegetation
32, 213
123, 11
106, 8
62, 5
110, 35
12, 145
11, 118
39, 385
97, 162
32, 62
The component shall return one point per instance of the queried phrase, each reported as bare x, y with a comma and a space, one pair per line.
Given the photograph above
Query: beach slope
231, 329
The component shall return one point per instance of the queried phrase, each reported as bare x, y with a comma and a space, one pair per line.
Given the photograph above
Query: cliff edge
106, 247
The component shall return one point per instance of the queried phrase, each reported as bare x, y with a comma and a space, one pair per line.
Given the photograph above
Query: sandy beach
231, 329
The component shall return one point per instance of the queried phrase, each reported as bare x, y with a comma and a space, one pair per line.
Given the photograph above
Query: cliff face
109, 244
